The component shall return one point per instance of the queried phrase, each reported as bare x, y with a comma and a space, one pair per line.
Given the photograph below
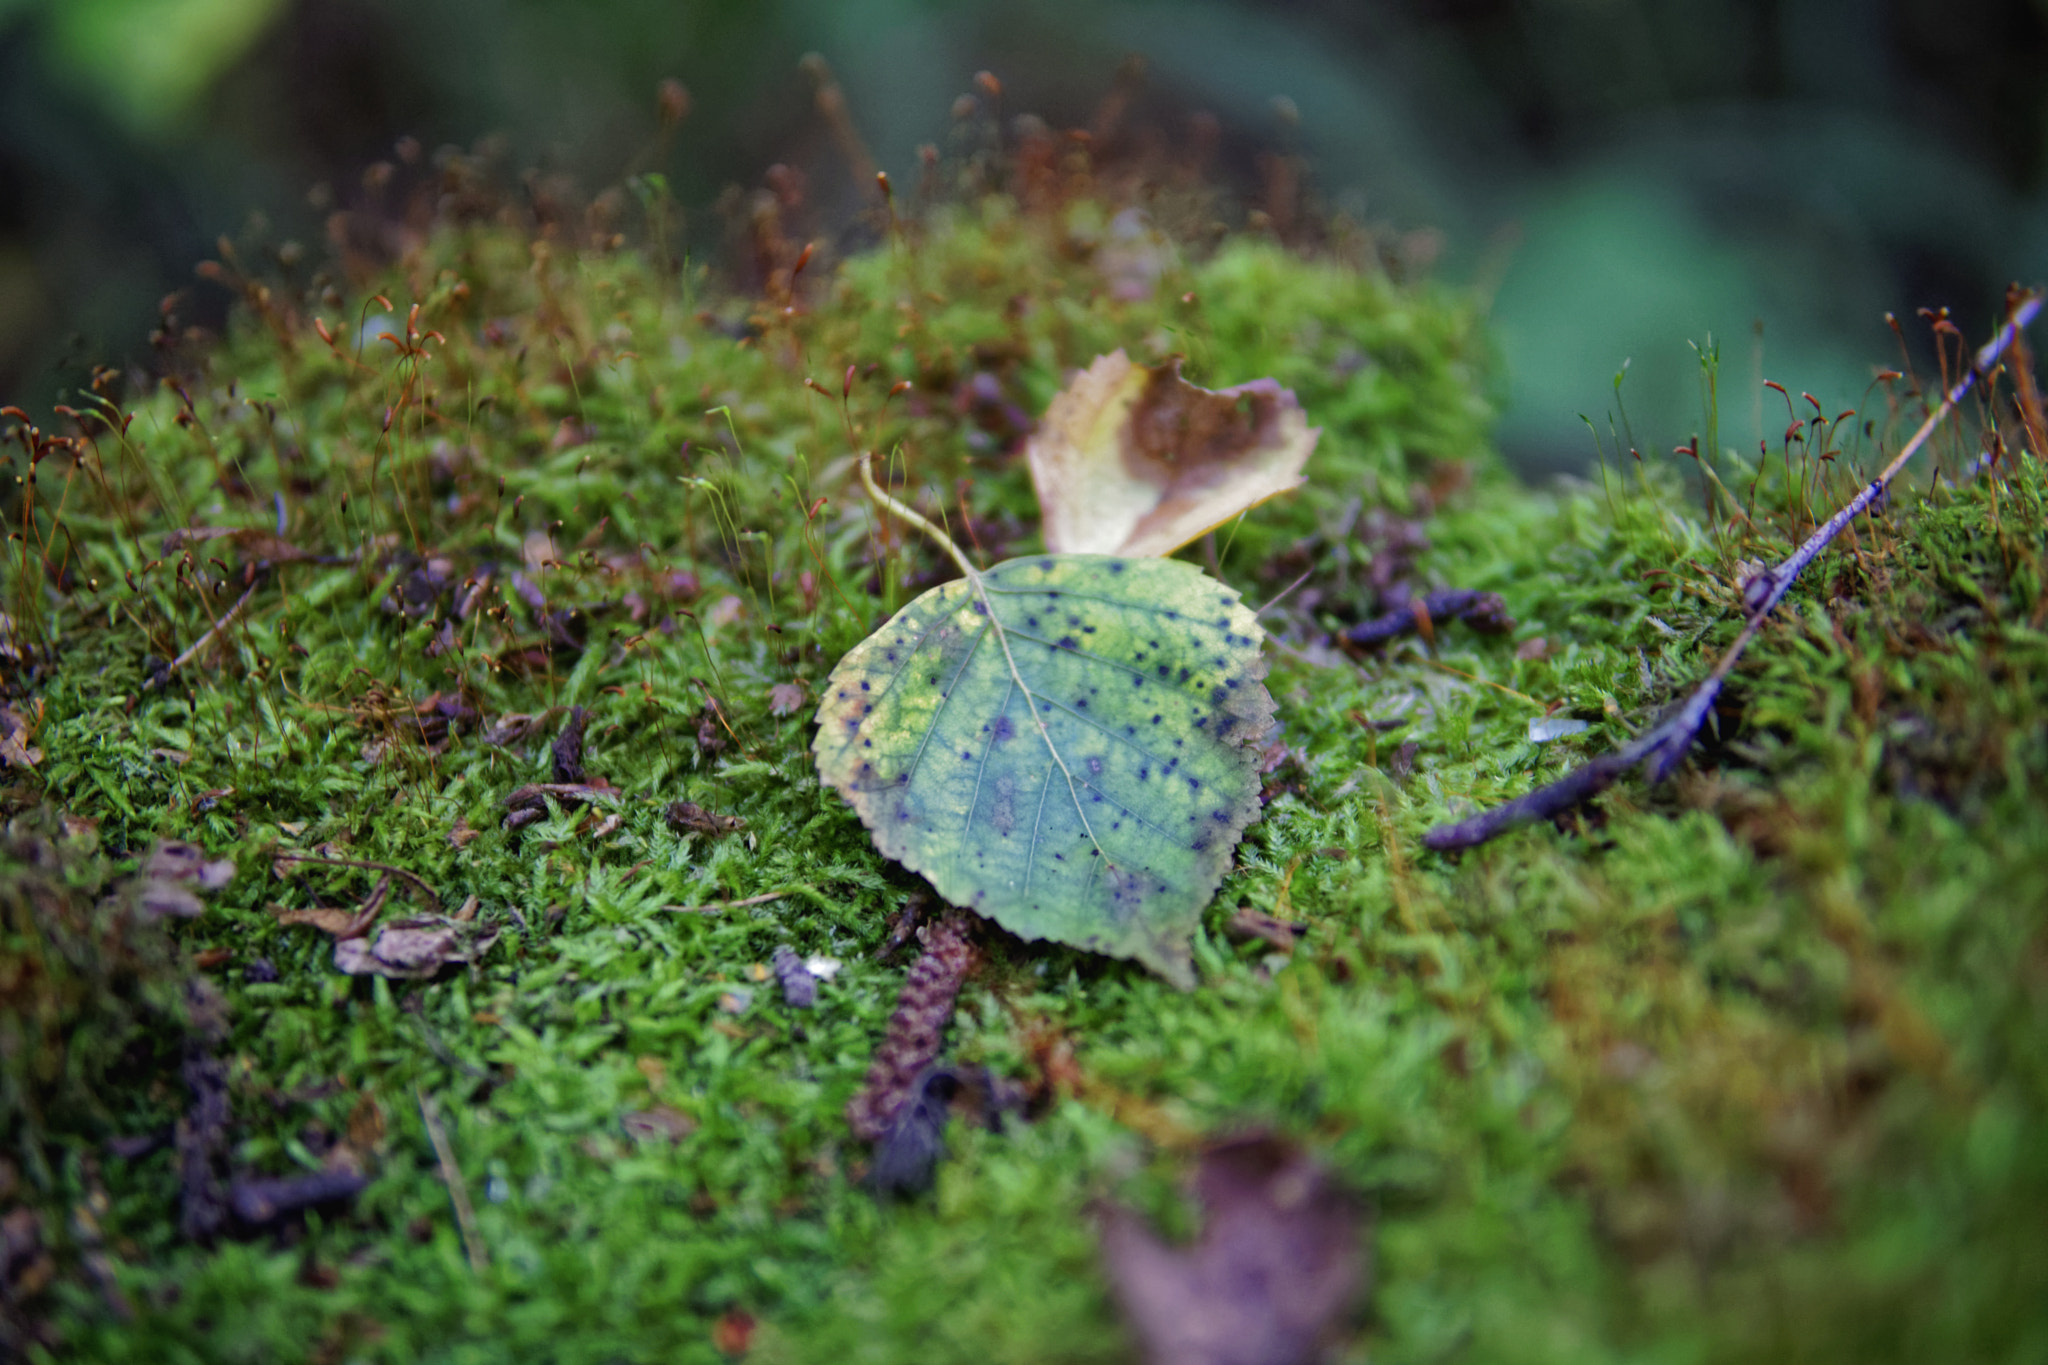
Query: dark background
1622, 177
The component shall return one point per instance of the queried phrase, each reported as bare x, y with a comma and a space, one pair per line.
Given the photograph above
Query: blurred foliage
1624, 175
150, 61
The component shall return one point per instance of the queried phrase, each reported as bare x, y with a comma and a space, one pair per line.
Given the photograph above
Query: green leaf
1067, 744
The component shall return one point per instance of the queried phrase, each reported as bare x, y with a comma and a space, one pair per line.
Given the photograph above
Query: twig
709, 906
1483, 611
189, 655
458, 1192
1660, 748
414, 878
804, 889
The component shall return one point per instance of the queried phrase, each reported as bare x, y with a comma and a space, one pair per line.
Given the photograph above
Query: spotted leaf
1067, 744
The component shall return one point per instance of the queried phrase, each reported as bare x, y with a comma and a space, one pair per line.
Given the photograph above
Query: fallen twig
1660, 748
1483, 611
324, 861
189, 655
709, 907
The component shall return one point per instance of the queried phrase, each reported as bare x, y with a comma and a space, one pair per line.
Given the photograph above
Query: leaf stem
973, 577
940, 538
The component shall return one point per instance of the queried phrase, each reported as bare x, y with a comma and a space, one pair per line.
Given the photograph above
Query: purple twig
1660, 749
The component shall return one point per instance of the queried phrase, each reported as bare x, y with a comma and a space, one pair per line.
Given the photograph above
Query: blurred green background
1623, 177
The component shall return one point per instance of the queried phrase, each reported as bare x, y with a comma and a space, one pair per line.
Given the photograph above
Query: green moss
1749, 1068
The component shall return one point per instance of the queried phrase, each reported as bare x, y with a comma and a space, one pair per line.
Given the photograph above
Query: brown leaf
687, 817
530, 802
366, 1124
515, 726
341, 924
15, 749
327, 919
1278, 1262
1134, 461
461, 834
661, 1123
733, 1333
412, 949
784, 699
161, 900
1248, 923
180, 862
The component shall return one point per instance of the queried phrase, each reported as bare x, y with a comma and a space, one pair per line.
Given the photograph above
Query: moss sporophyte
511, 640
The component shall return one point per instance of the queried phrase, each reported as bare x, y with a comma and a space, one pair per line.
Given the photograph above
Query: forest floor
1750, 1066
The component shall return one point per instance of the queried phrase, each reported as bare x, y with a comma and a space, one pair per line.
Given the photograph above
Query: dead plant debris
1277, 1266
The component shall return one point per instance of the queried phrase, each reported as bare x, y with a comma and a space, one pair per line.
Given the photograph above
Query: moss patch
1749, 1067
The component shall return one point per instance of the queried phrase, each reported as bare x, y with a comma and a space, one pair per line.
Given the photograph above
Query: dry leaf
15, 749
1248, 923
412, 949
164, 888
188, 863
785, 698
1133, 461
327, 919
1268, 1281
659, 1123
687, 817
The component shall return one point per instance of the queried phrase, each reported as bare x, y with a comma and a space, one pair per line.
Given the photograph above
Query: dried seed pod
923, 1008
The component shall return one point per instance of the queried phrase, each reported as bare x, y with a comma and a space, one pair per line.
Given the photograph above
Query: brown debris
903, 925
166, 885
413, 949
799, 987
529, 804
785, 699
15, 734
733, 1333
687, 817
1247, 924
338, 923
567, 750
923, 1008
659, 1124
1485, 612
1268, 1281
514, 727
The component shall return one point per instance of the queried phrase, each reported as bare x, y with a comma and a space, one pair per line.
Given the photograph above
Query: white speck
824, 968
1547, 729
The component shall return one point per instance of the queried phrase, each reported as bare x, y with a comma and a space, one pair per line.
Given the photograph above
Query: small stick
458, 1193
189, 655
709, 906
1660, 748
424, 889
